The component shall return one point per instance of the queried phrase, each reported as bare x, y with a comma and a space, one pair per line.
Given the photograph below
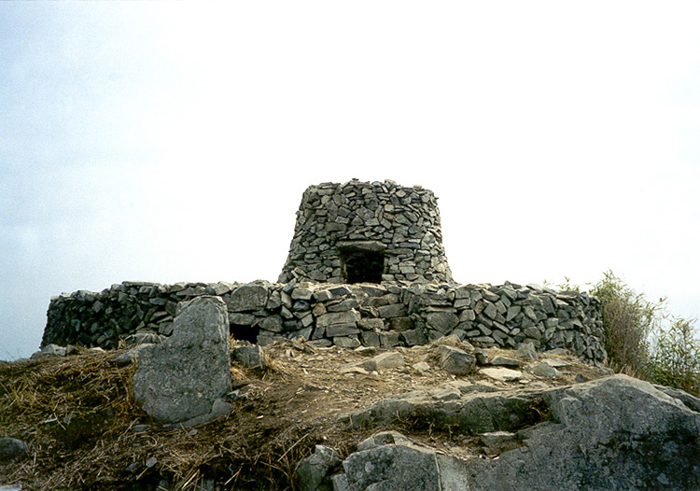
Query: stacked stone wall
400, 224
384, 315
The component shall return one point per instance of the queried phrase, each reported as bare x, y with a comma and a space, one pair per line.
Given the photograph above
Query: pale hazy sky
172, 141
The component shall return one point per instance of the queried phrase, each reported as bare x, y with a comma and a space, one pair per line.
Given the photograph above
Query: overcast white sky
172, 141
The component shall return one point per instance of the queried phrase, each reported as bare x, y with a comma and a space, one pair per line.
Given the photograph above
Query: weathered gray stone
182, 377
442, 321
341, 330
413, 337
347, 341
370, 324
388, 339
544, 369
497, 442
338, 318
249, 356
312, 471
610, 434
391, 359
393, 310
49, 350
616, 433
12, 448
250, 297
502, 374
454, 360
130, 356
388, 462
526, 351
241, 319
503, 361
272, 323
370, 338
143, 338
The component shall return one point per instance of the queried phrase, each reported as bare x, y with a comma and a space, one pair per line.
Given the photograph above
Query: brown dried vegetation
79, 417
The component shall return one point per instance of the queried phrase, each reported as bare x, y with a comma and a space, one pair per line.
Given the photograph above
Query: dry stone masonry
367, 232
366, 267
384, 315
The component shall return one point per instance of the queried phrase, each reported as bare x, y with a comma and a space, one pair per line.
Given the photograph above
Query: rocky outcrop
615, 433
385, 315
185, 378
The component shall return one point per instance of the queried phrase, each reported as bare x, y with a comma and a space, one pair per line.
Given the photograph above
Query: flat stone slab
502, 374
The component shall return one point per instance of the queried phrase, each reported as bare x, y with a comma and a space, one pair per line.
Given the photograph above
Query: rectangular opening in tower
363, 266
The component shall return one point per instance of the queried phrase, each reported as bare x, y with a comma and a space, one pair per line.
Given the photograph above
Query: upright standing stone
188, 375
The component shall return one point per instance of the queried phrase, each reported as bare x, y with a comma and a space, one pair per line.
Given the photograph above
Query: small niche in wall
363, 262
244, 333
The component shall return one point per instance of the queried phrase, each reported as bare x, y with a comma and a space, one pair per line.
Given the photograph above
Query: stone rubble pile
380, 315
400, 223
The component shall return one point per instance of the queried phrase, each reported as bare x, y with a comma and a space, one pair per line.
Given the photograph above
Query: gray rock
350, 317
454, 360
393, 310
11, 487
616, 433
182, 377
504, 361
347, 341
49, 350
249, 356
497, 442
526, 351
250, 297
142, 338
130, 356
544, 369
391, 359
389, 461
442, 321
312, 471
12, 448
341, 330
413, 337
502, 374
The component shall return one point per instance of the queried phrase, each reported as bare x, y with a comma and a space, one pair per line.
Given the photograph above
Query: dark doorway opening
363, 266
244, 333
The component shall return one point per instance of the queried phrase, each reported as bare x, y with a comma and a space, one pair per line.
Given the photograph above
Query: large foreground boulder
186, 377
616, 433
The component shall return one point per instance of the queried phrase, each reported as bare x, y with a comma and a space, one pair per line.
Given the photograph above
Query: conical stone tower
361, 232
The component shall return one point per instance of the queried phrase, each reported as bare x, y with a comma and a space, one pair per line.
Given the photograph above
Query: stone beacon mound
367, 232
366, 367
366, 267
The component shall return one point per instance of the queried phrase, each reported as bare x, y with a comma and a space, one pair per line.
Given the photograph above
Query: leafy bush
642, 340
675, 357
629, 319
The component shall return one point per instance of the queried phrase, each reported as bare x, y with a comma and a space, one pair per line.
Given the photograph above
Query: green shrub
675, 357
629, 319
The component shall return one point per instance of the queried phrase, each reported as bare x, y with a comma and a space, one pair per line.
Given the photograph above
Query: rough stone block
442, 321
454, 360
248, 297
182, 377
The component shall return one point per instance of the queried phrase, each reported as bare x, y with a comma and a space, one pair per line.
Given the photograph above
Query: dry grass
78, 415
